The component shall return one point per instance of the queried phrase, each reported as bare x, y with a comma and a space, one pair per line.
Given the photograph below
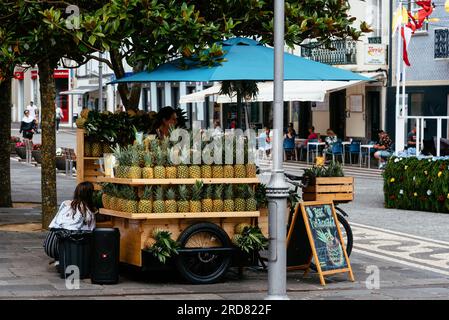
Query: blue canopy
246, 59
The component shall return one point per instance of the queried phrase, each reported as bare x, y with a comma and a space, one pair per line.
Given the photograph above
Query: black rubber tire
347, 230
190, 265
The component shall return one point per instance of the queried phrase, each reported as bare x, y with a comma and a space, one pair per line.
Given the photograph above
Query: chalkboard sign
299, 251
325, 238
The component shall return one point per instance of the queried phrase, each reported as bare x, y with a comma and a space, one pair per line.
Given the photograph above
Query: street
397, 254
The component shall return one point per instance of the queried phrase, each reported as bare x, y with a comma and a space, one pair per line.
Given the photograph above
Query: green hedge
417, 184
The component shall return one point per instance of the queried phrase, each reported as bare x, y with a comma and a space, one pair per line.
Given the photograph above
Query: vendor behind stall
166, 118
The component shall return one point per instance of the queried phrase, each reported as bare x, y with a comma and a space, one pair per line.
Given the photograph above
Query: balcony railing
342, 52
441, 44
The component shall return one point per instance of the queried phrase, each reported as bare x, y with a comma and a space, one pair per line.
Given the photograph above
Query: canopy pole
277, 190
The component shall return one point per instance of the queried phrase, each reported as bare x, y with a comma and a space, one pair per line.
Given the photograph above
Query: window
413, 8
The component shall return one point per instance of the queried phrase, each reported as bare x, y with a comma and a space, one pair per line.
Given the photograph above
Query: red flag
406, 34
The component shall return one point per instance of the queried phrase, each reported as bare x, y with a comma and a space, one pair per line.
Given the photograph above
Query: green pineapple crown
240, 191
147, 193
134, 156
107, 188
122, 155
183, 193
154, 144
218, 192
159, 194
197, 190
148, 157
170, 194
160, 156
229, 192
128, 193
250, 193
208, 191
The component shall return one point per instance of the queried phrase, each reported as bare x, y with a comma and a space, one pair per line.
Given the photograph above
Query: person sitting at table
267, 135
312, 135
330, 140
289, 143
383, 148
290, 126
411, 138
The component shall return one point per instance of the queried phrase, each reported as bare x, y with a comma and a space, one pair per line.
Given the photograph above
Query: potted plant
36, 153
21, 150
327, 184
60, 159
13, 140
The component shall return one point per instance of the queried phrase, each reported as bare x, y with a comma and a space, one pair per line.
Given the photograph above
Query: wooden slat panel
179, 215
334, 180
92, 172
328, 196
80, 153
177, 181
330, 188
130, 241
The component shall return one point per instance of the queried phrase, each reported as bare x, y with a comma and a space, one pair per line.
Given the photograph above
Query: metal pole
100, 84
398, 79
277, 190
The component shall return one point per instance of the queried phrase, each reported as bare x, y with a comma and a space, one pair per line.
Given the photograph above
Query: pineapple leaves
164, 247
250, 239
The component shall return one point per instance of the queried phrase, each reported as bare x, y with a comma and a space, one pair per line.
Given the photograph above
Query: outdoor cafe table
366, 146
316, 144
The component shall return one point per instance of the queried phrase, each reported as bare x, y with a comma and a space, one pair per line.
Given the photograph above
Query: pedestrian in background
34, 113
59, 115
27, 126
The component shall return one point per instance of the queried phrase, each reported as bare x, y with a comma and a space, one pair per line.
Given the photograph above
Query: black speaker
105, 256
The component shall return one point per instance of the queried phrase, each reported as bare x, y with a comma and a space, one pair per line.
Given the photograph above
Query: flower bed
417, 183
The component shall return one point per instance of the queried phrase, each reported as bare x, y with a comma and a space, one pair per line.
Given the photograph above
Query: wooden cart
205, 237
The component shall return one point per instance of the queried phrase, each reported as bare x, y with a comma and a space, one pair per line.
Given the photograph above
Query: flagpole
398, 79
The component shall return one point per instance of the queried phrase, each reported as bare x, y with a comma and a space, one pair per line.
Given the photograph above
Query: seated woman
289, 143
330, 140
76, 214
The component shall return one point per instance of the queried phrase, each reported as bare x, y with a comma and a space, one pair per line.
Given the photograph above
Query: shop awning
80, 90
293, 91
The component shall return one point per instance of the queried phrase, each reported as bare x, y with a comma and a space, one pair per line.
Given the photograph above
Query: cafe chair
353, 149
337, 150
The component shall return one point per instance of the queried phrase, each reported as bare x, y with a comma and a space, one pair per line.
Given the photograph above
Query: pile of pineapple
183, 198
154, 162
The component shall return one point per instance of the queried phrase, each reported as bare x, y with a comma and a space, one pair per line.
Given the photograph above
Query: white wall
321, 122
355, 124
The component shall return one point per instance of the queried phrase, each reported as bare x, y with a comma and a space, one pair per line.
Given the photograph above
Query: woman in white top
76, 214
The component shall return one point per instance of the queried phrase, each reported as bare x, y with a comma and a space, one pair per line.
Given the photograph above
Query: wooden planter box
339, 189
60, 163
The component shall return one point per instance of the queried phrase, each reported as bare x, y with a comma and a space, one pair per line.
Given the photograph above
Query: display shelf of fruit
139, 182
180, 215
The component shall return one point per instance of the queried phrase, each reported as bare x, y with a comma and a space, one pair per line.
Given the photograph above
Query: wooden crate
337, 189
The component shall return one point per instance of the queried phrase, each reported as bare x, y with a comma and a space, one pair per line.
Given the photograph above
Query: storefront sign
34, 74
375, 54
58, 74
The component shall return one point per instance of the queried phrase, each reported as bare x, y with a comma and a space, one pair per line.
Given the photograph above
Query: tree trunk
48, 172
5, 147
130, 99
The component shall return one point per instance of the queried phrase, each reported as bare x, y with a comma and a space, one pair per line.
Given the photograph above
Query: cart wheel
203, 267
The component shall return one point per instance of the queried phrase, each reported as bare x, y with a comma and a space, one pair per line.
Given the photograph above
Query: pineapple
251, 203
207, 203
130, 203
96, 149
170, 202
158, 203
105, 147
114, 200
195, 202
239, 201
147, 171
134, 171
141, 152
87, 148
170, 170
251, 170
228, 171
183, 168
194, 169
228, 203
183, 202
159, 169
217, 171
124, 161
239, 228
146, 201
120, 199
239, 171
106, 197
206, 171
218, 198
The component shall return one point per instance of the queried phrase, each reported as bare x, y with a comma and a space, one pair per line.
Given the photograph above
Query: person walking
27, 126
59, 115
34, 113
